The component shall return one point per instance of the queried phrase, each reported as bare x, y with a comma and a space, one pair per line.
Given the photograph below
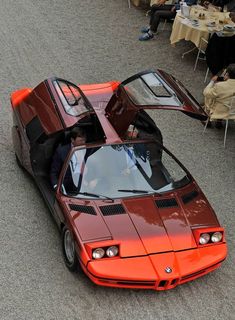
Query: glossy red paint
198, 232
158, 246
37, 103
185, 265
148, 228
199, 212
99, 94
123, 108
146, 250
19, 96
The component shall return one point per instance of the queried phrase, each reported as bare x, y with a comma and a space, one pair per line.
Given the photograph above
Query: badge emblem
168, 270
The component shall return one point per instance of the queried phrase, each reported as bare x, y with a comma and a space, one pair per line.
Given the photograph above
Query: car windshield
123, 170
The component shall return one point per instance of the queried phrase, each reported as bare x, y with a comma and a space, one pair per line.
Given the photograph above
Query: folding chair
201, 51
230, 116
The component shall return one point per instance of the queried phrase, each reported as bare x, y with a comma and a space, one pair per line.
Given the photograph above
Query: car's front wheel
69, 252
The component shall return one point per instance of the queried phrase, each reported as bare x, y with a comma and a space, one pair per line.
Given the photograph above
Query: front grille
162, 283
193, 274
173, 282
189, 196
111, 210
136, 283
83, 209
166, 203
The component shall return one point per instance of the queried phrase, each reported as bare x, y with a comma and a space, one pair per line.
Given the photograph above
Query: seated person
232, 16
77, 137
160, 11
218, 93
213, 5
229, 5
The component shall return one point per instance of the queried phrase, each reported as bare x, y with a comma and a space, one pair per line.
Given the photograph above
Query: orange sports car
130, 214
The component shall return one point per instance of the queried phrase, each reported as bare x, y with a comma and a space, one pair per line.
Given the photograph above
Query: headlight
204, 238
112, 251
216, 237
98, 253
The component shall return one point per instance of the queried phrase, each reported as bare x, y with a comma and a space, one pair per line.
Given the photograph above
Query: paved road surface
95, 41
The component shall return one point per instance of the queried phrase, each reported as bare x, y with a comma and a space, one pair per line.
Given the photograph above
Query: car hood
147, 225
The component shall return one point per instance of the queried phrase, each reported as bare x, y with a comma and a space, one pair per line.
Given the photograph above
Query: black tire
69, 252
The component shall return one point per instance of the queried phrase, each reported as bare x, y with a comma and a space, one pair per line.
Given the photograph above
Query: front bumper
149, 272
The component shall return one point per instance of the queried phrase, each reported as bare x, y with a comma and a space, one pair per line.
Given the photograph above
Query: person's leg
155, 8
164, 7
165, 13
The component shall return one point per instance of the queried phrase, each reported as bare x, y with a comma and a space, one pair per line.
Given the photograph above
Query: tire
69, 252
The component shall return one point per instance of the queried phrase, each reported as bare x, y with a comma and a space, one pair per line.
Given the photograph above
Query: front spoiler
149, 272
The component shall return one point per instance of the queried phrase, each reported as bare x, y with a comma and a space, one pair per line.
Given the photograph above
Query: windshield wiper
88, 194
139, 191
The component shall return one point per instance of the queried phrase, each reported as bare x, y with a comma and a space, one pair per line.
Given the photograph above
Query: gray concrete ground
94, 41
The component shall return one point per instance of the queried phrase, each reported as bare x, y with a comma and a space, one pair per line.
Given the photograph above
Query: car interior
43, 146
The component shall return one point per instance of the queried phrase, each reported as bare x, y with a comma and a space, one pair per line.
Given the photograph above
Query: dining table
200, 23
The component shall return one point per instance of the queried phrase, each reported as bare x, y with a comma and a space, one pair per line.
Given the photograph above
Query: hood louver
83, 209
166, 203
189, 196
112, 210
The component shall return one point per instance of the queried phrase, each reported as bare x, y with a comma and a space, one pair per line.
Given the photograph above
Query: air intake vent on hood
189, 196
112, 210
84, 209
166, 203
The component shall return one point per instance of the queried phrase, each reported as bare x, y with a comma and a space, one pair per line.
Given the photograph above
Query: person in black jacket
77, 137
232, 16
228, 4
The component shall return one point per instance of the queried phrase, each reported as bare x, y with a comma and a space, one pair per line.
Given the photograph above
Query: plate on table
211, 29
195, 23
229, 27
224, 33
210, 24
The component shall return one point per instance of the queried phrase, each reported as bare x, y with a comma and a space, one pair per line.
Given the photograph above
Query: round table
183, 28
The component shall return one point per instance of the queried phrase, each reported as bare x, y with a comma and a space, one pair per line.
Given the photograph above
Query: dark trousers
160, 12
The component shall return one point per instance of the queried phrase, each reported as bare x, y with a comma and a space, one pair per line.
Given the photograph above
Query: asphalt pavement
85, 42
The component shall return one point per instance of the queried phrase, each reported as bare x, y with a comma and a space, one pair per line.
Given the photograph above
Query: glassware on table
226, 20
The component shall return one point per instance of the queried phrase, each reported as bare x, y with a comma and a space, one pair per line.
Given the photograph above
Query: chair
165, 20
230, 116
129, 3
202, 51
